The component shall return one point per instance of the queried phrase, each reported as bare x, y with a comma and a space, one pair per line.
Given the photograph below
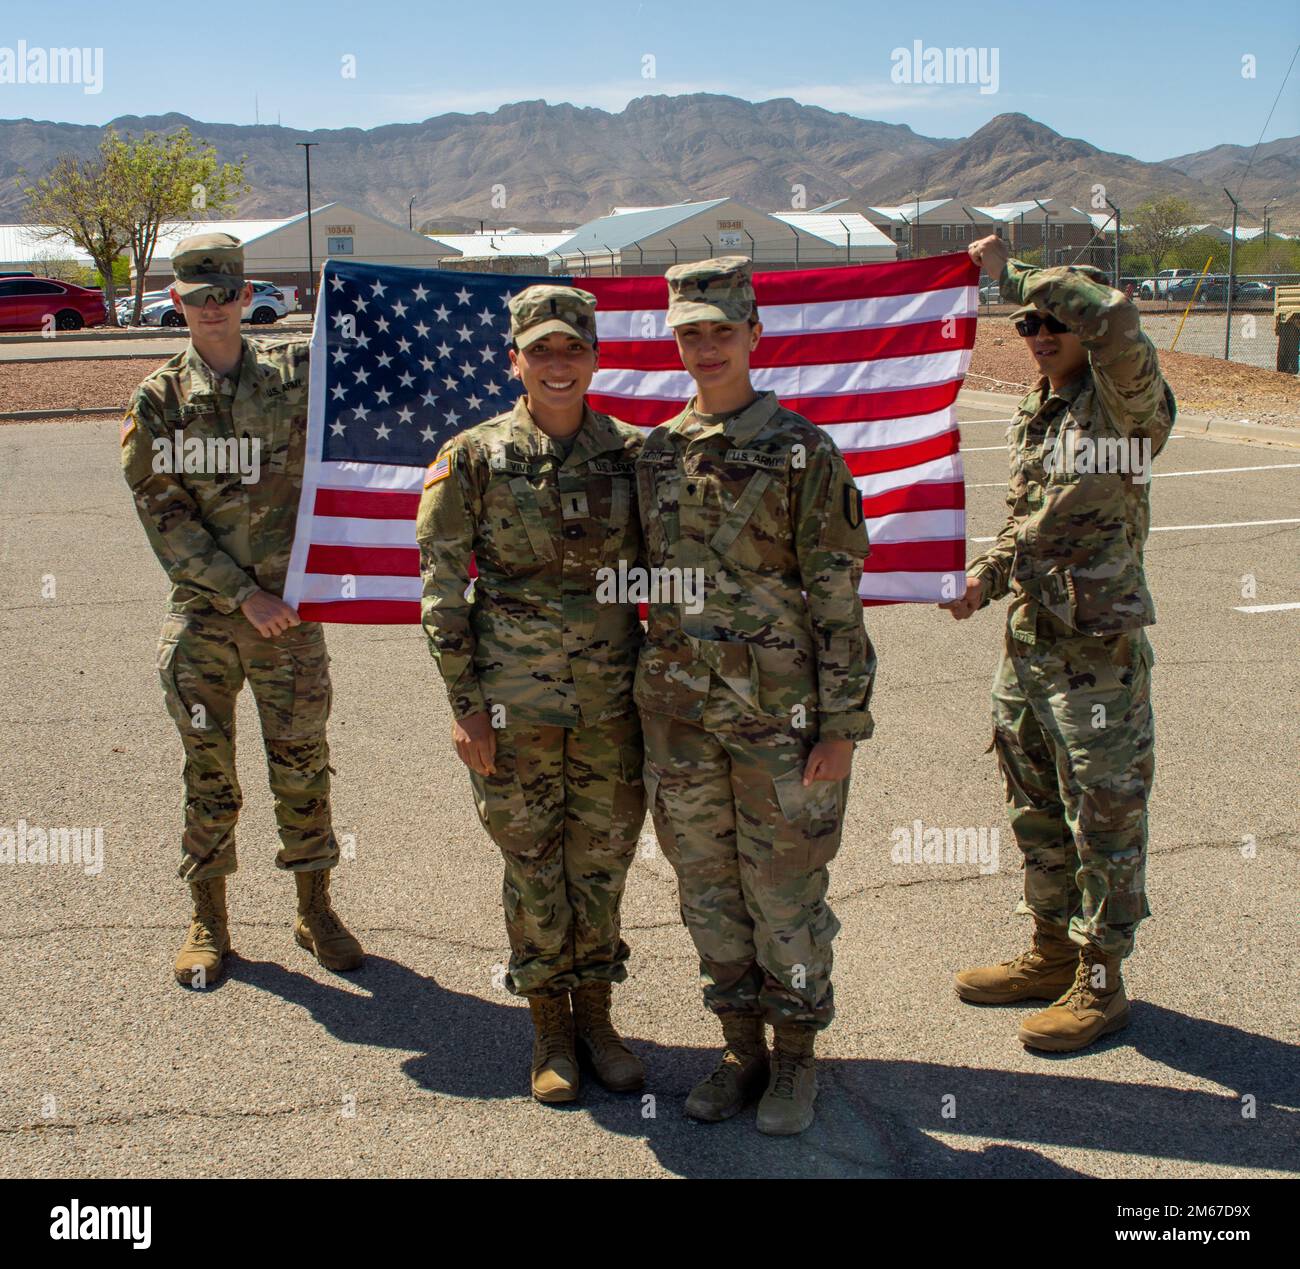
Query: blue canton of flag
412, 356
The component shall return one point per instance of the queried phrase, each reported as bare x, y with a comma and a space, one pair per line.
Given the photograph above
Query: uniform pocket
503, 811
808, 835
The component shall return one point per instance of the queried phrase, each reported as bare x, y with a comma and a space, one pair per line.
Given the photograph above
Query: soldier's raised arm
449, 510
831, 544
170, 515
1126, 370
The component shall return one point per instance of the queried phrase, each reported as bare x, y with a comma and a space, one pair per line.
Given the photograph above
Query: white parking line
1161, 475
1174, 528
1266, 608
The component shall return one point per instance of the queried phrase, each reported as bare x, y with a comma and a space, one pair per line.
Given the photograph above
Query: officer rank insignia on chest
438, 470
756, 458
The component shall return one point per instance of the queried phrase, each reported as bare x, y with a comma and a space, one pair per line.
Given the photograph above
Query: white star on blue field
412, 356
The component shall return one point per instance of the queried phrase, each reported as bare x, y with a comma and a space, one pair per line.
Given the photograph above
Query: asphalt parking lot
417, 1064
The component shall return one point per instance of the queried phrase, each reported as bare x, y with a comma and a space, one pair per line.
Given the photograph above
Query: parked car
1158, 287
126, 305
26, 303
267, 305
1254, 291
991, 293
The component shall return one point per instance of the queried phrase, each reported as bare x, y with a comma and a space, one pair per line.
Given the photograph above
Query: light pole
1232, 277
410, 214
311, 255
1115, 209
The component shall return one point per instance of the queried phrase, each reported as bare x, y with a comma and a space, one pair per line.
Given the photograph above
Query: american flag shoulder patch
128, 426
437, 471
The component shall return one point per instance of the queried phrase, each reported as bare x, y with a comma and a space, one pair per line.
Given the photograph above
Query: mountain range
546, 166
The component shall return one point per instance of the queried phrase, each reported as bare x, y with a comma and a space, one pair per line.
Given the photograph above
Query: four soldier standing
753, 682
223, 532
1072, 721
539, 674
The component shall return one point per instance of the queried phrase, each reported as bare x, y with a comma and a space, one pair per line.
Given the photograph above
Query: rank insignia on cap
439, 470
128, 426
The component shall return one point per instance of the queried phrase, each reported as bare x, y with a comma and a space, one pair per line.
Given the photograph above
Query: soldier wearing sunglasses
223, 529
1072, 720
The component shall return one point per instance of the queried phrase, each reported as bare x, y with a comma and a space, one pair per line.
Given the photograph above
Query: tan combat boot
616, 1066
318, 927
739, 1076
198, 963
787, 1106
555, 1064
1094, 1006
1042, 973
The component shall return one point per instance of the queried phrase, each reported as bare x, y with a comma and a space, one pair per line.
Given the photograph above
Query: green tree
1159, 225
78, 201
1193, 250
166, 180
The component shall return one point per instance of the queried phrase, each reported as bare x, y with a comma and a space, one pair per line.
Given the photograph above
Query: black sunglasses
1031, 324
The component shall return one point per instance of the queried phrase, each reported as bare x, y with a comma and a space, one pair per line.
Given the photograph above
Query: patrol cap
207, 264
538, 311
717, 290
1091, 272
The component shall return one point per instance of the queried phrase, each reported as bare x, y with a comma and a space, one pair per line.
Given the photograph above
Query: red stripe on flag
367, 504
916, 557
830, 347
366, 612
871, 462
364, 561
937, 497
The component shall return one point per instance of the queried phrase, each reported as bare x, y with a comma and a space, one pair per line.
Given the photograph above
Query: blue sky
1152, 80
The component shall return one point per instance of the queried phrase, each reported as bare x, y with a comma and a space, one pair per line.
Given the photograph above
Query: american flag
404, 358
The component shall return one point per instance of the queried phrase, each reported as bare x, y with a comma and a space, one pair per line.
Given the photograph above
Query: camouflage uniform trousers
1074, 734
204, 662
564, 807
750, 846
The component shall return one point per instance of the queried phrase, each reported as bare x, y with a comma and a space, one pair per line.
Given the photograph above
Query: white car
1158, 287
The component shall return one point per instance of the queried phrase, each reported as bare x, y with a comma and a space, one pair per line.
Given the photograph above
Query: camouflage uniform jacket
1072, 544
764, 505
219, 539
535, 635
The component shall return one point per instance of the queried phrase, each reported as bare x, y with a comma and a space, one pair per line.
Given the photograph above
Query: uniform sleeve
831, 544
171, 518
1126, 370
994, 566
449, 511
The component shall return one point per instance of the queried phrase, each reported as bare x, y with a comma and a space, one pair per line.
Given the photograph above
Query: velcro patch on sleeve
128, 426
437, 471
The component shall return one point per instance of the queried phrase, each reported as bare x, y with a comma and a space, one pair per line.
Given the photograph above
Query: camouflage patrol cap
717, 290
207, 264
537, 311
1089, 271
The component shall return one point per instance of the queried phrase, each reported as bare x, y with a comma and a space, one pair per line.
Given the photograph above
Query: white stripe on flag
944, 470
887, 433
916, 526
373, 476
820, 318
358, 531
925, 586
324, 588
833, 379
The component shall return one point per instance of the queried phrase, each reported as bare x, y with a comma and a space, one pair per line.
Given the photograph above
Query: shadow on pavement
874, 1118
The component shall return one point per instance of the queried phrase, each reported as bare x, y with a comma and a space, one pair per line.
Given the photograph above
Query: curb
21, 416
1206, 426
